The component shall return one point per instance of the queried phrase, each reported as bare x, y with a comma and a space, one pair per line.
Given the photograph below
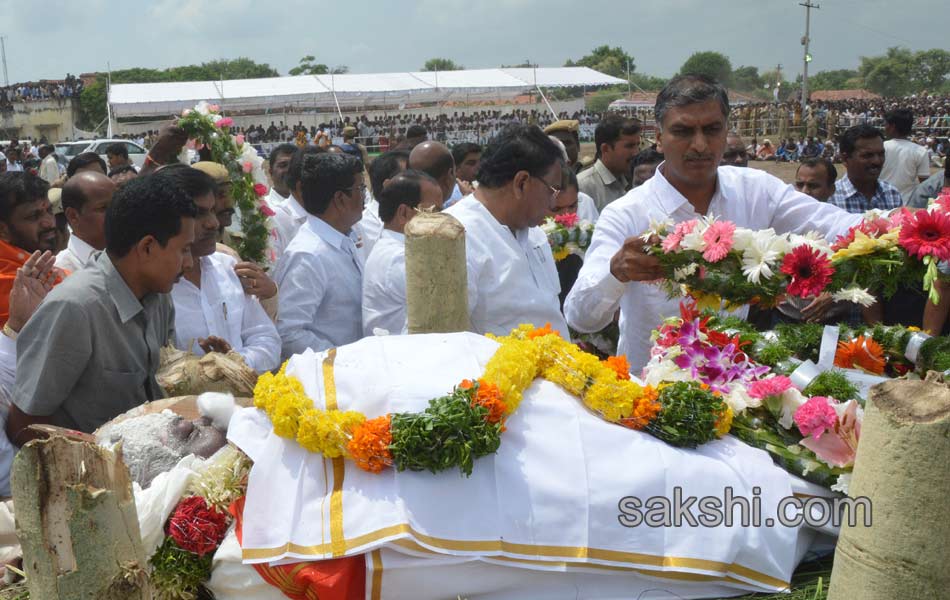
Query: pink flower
247, 167
567, 220
186, 112
671, 243
816, 417
718, 238
261, 190
239, 139
927, 234
773, 386
840, 446
225, 122
214, 108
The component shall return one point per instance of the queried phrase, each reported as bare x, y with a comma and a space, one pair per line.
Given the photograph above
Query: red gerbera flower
927, 234
809, 269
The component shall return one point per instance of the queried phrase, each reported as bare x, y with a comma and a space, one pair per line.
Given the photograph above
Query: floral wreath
205, 125
568, 234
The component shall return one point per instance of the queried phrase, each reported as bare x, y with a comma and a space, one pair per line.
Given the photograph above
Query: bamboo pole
76, 522
436, 275
901, 467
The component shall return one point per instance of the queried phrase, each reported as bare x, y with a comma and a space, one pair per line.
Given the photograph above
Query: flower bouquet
568, 235
208, 127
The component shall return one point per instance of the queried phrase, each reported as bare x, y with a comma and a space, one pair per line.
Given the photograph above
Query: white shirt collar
393, 235
296, 209
326, 232
80, 249
671, 199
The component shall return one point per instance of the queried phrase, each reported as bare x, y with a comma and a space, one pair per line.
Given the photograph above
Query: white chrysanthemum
661, 369
791, 400
842, 484
741, 238
812, 239
549, 226
682, 273
760, 256
203, 108
739, 400
854, 295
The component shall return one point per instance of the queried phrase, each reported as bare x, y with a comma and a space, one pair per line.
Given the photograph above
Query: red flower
260, 189
225, 122
567, 220
197, 527
809, 269
927, 234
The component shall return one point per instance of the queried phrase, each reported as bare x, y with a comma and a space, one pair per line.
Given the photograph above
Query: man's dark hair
830, 171
281, 150
460, 151
296, 163
324, 175
117, 149
84, 160
648, 157
404, 188
517, 148
902, 119
195, 183
851, 136
150, 205
416, 131
612, 126
684, 90
568, 178
19, 187
384, 167
46, 150
122, 169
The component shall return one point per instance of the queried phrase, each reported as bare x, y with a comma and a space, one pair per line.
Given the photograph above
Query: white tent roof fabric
351, 90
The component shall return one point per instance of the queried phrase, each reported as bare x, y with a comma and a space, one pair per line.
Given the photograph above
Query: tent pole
543, 97
335, 101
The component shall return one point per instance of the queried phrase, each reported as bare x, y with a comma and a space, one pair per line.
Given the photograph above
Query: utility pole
807, 58
3, 54
628, 78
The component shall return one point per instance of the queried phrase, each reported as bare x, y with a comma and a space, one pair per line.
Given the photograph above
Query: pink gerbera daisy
773, 386
718, 238
671, 243
927, 234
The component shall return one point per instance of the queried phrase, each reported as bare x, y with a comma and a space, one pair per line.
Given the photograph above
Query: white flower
812, 239
682, 273
216, 118
855, 295
661, 369
791, 400
203, 108
572, 248
842, 484
656, 228
742, 237
738, 400
549, 226
759, 257
693, 241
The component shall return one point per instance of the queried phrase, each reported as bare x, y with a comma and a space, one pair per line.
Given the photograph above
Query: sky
49, 39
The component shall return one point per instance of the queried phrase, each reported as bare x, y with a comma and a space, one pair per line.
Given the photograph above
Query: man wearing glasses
320, 274
511, 274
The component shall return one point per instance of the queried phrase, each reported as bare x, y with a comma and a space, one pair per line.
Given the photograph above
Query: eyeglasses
555, 192
349, 190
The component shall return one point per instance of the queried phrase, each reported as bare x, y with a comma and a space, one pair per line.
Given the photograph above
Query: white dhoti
541, 516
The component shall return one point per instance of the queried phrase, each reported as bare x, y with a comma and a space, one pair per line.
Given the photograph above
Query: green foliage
309, 66
900, 71
832, 384
451, 432
711, 64
837, 79
688, 416
601, 99
803, 340
178, 574
441, 64
648, 82
612, 61
747, 79
934, 354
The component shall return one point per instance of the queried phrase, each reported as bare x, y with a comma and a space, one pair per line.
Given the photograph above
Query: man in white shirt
278, 162
511, 274
435, 160
49, 168
212, 312
906, 164
384, 278
13, 159
320, 274
86, 198
383, 168
691, 116
290, 215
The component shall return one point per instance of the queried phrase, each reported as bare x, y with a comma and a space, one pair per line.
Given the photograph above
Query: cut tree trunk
436, 275
76, 522
901, 467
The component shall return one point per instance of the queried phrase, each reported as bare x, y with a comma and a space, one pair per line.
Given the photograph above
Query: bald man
736, 154
435, 160
86, 196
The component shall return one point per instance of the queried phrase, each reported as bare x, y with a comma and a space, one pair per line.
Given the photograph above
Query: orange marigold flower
862, 352
646, 408
619, 365
370, 444
490, 397
542, 331
466, 384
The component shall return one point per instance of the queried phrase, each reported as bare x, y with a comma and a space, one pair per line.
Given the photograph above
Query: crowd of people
101, 268
70, 87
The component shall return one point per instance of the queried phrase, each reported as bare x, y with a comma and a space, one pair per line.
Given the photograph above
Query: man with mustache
862, 149
618, 142
691, 116
26, 225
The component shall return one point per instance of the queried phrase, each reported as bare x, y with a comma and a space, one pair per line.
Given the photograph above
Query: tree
601, 99
930, 69
837, 79
747, 79
612, 61
711, 64
441, 64
307, 66
770, 79
890, 74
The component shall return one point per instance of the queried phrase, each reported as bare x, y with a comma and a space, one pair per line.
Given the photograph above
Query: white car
68, 150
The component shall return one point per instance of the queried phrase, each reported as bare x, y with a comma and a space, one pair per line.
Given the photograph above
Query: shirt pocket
541, 262
122, 386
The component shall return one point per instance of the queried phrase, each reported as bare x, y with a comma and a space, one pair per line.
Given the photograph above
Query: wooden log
436, 275
901, 467
76, 522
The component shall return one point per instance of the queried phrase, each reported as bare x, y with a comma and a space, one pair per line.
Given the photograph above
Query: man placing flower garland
691, 115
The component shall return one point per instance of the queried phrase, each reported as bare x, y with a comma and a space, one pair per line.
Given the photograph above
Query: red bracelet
149, 160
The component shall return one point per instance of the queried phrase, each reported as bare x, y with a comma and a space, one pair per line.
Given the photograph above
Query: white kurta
384, 285
75, 256
586, 208
221, 308
511, 276
748, 197
320, 277
370, 226
288, 218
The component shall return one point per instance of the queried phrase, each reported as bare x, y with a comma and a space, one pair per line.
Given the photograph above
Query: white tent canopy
349, 90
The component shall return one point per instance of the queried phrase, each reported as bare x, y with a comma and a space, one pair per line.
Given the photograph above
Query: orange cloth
11, 259
331, 579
